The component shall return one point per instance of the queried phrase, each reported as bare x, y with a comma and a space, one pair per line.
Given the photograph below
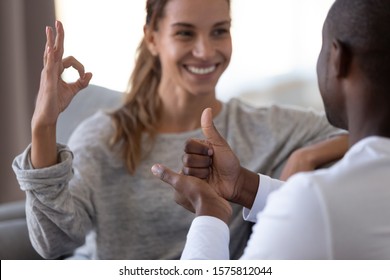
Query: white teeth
201, 71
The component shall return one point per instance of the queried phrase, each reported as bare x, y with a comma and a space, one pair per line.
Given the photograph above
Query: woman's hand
54, 96
298, 161
315, 156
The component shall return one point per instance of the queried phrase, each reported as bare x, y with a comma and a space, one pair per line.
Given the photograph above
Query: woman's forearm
315, 156
43, 146
327, 151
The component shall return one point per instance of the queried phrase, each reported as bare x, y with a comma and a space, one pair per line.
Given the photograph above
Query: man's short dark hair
363, 26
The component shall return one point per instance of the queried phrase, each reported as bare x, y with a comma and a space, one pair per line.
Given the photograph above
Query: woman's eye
220, 32
184, 33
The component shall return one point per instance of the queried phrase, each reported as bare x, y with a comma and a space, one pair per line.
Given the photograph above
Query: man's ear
149, 37
340, 58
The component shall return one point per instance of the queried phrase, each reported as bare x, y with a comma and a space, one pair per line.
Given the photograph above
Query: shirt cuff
266, 186
207, 239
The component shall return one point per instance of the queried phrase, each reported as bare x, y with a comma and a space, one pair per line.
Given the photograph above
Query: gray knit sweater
90, 193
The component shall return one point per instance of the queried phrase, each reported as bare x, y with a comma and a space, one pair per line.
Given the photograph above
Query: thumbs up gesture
213, 159
217, 176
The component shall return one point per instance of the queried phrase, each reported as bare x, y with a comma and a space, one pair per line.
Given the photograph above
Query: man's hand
195, 194
213, 160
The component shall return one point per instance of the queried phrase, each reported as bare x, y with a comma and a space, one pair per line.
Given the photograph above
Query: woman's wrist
43, 145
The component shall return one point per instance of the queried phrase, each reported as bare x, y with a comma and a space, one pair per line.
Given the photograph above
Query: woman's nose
204, 48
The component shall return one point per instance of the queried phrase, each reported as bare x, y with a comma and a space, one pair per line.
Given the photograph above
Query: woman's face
193, 44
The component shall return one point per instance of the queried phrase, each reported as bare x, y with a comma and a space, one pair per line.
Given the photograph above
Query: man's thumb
208, 128
165, 174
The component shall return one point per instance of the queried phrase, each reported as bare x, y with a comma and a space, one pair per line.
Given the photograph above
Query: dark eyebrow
189, 25
182, 24
223, 23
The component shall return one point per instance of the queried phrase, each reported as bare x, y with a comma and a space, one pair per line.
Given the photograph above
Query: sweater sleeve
57, 219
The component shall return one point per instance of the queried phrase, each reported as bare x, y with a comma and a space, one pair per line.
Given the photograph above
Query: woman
111, 196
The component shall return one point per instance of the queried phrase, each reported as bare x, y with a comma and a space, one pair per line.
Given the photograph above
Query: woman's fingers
82, 82
70, 61
84, 78
46, 48
55, 44
59, 41
49, 43
54, 65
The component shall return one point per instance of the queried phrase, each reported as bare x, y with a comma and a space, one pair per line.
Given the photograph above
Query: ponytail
141, 108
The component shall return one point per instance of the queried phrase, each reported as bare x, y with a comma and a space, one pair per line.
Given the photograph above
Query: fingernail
156, 170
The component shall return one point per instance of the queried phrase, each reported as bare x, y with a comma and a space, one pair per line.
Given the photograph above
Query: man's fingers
198, 146
196, 161
209, 130
201, 173
165, 174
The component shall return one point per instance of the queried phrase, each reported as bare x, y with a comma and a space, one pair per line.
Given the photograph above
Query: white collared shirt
338, 213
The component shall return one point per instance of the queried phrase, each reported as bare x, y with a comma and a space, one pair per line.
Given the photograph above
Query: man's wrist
214, 206
247, 187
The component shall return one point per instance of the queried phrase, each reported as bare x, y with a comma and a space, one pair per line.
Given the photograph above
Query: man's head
354, 64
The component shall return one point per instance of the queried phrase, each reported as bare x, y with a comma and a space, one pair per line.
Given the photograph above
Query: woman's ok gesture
53, 97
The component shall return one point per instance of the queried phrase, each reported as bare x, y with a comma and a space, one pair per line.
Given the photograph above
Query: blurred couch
14, 240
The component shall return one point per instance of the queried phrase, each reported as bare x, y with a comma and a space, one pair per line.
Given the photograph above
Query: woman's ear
340, 58
150, 40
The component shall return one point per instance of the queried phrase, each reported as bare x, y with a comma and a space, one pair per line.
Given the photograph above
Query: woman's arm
57, 221
54, 96
315, 156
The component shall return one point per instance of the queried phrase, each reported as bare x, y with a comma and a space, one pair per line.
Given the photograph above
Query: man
338, 213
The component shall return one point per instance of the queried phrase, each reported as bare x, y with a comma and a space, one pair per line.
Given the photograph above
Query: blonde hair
141, 108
